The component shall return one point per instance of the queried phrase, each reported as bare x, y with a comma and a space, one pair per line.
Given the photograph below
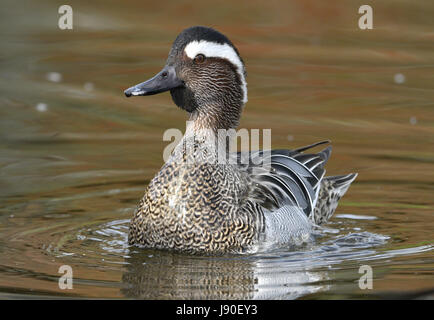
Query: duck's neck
204, 137
213, 117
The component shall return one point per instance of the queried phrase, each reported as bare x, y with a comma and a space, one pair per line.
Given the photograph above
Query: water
76, 155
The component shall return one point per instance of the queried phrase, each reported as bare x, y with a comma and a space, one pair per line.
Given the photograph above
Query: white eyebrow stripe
218, 50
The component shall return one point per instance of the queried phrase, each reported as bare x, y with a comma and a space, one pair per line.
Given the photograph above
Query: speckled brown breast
196, 208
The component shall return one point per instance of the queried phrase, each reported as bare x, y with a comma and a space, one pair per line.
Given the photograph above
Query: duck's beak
165, 80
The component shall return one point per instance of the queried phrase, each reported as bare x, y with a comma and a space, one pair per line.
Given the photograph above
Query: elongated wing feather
292, 178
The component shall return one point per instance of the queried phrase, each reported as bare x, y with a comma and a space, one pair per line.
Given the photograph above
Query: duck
198, 206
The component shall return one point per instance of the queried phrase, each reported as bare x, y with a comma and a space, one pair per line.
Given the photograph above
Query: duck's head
206, 77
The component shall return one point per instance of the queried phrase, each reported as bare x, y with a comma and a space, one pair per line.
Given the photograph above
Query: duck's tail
331, 191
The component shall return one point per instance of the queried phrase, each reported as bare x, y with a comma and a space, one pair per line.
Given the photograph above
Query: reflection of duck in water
167, 275
215, 208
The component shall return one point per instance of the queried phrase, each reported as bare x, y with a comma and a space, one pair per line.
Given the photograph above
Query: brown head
206, 77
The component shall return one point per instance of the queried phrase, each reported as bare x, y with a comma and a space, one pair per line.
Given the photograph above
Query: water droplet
88, 86
399, 78
41, 107
54, 76
413, 121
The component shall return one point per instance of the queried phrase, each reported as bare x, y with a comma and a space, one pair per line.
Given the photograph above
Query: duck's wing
286, 177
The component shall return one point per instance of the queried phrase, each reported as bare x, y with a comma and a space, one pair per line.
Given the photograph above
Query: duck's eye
199, 58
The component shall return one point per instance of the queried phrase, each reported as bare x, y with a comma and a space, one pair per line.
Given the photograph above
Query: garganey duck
200, 206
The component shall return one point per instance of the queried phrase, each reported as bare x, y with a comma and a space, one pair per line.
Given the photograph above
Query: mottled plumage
196, 204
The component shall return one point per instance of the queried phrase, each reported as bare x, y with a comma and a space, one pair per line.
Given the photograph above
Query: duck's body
194, 204
202, 207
